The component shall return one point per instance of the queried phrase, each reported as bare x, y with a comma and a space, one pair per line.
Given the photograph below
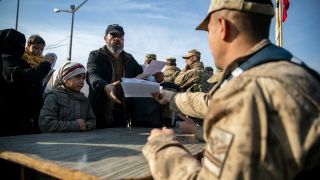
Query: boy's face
36, 49
75, 83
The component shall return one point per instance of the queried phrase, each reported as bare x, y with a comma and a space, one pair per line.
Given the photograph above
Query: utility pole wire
56, 43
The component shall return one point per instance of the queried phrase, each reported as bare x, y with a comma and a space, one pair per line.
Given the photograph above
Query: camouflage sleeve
191, 104
179, 78
173, 76
190, 78
168, 159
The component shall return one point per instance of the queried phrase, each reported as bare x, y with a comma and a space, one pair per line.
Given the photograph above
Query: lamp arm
80, 5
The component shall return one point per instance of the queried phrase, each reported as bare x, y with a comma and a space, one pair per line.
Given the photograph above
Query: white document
139, 88
152, 68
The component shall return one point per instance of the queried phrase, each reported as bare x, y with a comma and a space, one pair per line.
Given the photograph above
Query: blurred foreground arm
168, 158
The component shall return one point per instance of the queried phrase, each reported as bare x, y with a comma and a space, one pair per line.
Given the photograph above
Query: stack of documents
139, 88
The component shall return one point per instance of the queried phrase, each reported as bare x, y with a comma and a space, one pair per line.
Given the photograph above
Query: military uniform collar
232, 66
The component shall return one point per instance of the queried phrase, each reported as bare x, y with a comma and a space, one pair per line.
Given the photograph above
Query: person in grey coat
65, 107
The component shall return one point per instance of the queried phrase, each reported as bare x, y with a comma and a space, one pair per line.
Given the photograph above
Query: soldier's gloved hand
110, 90
164, 97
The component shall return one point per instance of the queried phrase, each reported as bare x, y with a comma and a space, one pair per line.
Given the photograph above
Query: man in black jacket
105, 68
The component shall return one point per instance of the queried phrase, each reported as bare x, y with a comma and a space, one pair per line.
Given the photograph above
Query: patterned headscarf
67, 71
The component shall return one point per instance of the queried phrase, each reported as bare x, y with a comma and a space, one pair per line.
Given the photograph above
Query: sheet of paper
139, 88
152, 68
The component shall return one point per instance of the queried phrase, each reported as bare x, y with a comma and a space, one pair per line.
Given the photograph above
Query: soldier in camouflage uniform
158, 76
149, 57
192, 77
262, 120
171, 71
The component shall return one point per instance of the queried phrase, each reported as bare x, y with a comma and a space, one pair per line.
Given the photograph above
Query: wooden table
112, 153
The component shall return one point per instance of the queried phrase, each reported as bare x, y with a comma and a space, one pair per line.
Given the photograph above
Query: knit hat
67, 71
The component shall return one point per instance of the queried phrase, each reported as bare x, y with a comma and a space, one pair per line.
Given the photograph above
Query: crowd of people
258, 113
48, 102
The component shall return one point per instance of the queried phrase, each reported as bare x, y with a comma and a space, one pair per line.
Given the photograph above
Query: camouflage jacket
170, 73
194, 104
192, 79
263, 124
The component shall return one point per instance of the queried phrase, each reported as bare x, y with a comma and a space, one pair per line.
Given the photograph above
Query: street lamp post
72, 10
17, 15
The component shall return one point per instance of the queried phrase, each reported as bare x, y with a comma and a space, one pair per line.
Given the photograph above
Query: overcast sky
163, 27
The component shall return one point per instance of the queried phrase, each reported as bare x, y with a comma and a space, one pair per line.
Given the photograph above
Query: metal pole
278, 23
70, 45
73, 10
17, 16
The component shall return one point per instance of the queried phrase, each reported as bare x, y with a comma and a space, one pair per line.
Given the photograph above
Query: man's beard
115, 48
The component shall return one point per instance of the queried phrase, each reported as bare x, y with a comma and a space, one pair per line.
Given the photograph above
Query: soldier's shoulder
279, 70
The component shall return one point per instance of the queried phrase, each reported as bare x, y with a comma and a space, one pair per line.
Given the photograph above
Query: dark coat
17, 84
100, 73
61, 110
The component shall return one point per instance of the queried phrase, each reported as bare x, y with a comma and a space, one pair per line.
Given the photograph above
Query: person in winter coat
33, 56
66, 108
17, 80
105, 68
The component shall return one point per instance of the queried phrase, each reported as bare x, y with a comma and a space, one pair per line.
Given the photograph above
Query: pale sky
163, 27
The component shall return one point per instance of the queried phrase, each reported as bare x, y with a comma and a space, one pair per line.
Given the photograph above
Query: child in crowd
33, 55
65, 107
34, 49
20, 101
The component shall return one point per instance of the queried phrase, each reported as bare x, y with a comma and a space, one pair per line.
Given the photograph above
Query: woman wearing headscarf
18, 79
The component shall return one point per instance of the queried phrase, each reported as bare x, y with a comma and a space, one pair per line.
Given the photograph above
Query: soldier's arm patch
218, 145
